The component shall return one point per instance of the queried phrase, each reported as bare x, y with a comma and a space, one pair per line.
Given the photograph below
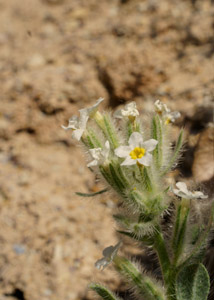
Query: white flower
130, 111
99, 155
183, 192
163, 110
171, 117
137, 151
78, 125
161, 107
108, 255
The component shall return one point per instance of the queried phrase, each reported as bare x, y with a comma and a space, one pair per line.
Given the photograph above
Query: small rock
203, 165
19, 249
36, 61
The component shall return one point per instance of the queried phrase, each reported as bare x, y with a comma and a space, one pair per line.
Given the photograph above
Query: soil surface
59, 56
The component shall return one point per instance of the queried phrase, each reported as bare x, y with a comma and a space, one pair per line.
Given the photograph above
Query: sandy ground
59, 56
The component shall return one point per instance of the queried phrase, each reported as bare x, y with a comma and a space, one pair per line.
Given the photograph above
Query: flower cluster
133, 159
125, 154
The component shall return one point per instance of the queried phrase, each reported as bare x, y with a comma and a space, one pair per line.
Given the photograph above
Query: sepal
103, 292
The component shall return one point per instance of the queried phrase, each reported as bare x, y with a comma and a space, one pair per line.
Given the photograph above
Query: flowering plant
133, 162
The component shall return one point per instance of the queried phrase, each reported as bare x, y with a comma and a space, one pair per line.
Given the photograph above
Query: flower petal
90, 111
106, 150
182, 187
118, 114
83, 118
93, 163
150, 144
77, 134
130, 110
176, 192
146, 160
161, 107
135, 140
199, 195
73, 123
96, 153
129, 161
122, 151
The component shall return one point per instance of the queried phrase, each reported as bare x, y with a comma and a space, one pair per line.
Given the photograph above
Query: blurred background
57, 56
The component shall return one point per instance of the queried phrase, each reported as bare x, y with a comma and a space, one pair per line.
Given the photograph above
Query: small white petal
66, 128
158, 105
146, 160
176, 192
122, 151
130, 110
129, 161
150, 144
161, 107
199, 195
90, 111
118, 114
135, 140
106, 150
93, 163
96, 153
73, 123
183, 192
176, 114
182, 187
77, 134
83, 118
165, 108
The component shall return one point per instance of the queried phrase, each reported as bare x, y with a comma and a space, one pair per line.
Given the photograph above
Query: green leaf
198, 249
103, 292
192, 283
129, 234
143, 284
114, 182
117, 179
92, 194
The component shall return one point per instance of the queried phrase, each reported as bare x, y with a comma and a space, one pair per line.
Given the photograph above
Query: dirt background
59, 56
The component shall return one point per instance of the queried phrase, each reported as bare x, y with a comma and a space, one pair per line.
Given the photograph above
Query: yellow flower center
137, 153
167, 121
